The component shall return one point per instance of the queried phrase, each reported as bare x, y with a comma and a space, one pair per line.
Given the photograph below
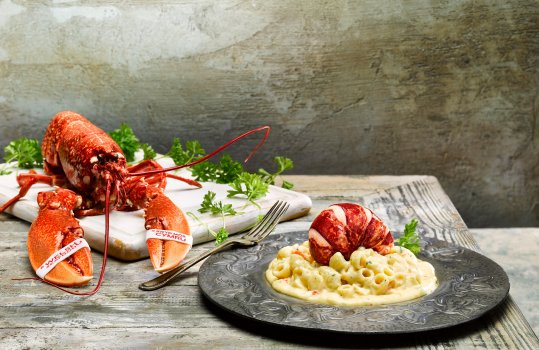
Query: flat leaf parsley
209, 204
216, 208
252, 186
226, 171
283, 164
129, 143
193, 150
26, 152
127, 140
410, 238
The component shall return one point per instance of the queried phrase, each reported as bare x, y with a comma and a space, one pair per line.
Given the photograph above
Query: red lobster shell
344, 227
81, 156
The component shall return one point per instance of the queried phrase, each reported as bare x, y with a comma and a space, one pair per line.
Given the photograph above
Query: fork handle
168, 276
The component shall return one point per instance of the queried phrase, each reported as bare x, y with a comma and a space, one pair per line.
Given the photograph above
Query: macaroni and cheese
368, 278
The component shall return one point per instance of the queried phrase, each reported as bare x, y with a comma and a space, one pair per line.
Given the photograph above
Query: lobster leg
55, 228
27, 180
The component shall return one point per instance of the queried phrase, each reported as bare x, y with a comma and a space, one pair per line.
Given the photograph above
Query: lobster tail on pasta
343, 228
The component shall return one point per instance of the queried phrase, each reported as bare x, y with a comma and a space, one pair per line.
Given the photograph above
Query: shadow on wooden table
457, 335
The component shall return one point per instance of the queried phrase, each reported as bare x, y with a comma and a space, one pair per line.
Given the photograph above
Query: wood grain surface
121, 316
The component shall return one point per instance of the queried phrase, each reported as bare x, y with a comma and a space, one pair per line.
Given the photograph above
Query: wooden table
34, 315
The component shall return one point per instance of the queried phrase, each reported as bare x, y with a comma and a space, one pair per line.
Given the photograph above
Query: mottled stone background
445, 88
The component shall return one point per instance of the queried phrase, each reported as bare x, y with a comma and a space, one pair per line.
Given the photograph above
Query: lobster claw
169, 230
55, 228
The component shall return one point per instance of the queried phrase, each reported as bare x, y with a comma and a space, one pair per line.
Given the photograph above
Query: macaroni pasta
368, 278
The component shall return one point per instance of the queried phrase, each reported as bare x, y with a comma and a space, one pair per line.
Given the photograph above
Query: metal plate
470, 285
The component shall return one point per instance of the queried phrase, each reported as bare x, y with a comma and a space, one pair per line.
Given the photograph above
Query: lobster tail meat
56, 228
345, 227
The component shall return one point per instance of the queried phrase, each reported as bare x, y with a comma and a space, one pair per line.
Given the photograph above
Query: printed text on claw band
61, 255
169, 235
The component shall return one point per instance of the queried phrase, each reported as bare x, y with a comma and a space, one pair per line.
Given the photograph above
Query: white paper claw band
61, 255
168, 235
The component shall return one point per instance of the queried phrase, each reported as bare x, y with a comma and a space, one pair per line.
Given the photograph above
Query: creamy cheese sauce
368, 278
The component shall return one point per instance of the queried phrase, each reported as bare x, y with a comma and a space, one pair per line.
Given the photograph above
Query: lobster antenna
226, 145
106, 243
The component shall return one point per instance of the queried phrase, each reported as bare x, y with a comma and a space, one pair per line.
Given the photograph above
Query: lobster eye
97, 159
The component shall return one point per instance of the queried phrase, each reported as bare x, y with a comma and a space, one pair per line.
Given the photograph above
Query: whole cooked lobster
343, 228
92, 176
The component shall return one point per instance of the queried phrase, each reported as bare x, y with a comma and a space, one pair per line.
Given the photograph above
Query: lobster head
87, 155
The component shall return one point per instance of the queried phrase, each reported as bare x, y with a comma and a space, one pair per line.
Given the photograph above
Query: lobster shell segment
74, 147
345, 227
54, 228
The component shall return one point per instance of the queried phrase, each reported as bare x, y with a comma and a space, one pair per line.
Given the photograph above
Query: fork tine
273, 219
267, 219
269, 228
264, 220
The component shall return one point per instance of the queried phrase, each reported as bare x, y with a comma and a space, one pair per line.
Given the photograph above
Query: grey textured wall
446, 88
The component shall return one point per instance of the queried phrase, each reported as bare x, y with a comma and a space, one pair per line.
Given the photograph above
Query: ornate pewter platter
470, 285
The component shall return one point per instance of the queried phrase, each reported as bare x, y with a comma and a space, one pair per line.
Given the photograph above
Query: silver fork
255, 235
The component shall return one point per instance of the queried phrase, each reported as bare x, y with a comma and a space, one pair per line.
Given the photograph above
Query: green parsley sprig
26, 152
149, 152
193, 150
209, 204
127, 140
283, 164
225, 172
221, 235
125, 137
252, 186
410, 238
